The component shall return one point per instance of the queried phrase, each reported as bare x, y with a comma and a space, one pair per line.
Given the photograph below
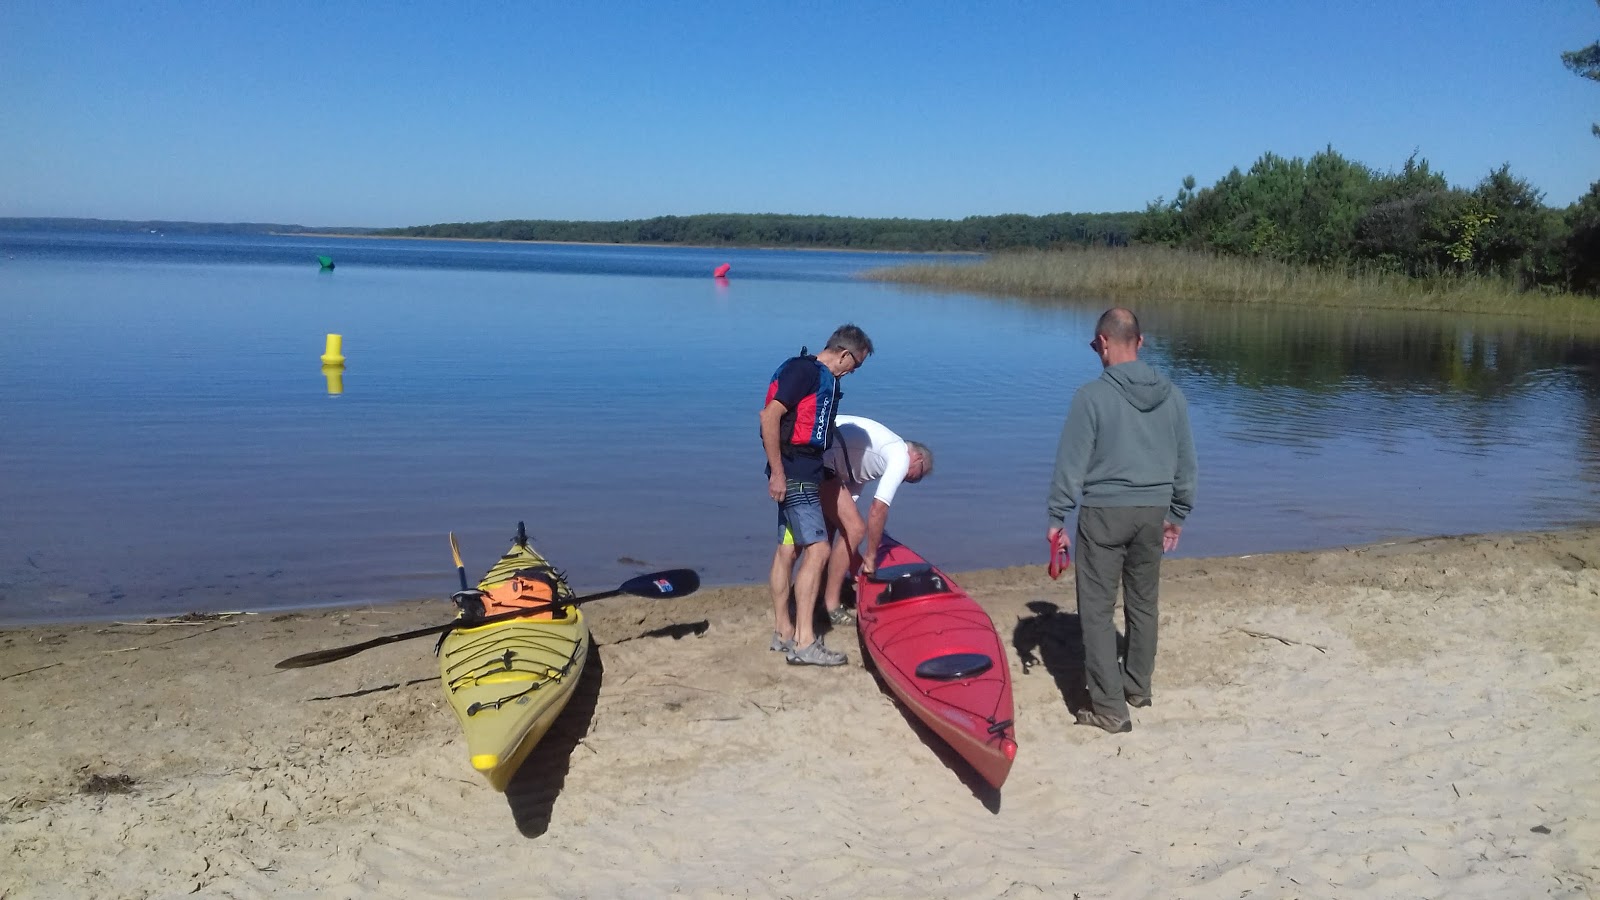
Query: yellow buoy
333, 355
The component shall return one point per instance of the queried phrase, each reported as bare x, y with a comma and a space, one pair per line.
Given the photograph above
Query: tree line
1333, 212
1326, 211
975, 233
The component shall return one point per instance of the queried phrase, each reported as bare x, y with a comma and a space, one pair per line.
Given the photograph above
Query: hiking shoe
1100, 720
841, 616
783, 646
817, 654
1138, 701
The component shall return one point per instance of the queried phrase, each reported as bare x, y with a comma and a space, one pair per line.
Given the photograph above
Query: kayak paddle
657, 585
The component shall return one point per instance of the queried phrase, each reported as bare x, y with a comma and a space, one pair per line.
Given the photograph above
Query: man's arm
1186, 476
1183, 482
897, 465
771, 420
877, 520
1072, 461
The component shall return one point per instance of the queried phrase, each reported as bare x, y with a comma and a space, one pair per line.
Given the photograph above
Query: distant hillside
123, 225
976, 233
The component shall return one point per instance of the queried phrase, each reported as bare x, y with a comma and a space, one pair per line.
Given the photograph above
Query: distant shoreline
418, 237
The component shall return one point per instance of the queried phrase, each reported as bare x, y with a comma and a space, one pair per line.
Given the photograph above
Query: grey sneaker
817, 654
781, 645
1138, 701
841, 616
1102, 721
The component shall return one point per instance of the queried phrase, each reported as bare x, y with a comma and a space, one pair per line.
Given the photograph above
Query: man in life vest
865, 452
797, 422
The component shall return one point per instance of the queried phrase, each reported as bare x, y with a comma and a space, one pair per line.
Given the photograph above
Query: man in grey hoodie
1126, 464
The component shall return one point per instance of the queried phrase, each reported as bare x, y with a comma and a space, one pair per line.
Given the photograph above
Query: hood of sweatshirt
1143, 387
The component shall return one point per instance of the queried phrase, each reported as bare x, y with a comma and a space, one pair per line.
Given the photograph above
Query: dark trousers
1118, 544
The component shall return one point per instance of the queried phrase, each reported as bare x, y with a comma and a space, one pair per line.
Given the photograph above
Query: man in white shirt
863, 452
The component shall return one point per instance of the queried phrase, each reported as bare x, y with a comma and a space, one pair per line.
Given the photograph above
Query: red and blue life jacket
805, 427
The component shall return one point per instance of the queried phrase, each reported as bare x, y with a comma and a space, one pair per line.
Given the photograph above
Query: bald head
1120, 326
1116, 337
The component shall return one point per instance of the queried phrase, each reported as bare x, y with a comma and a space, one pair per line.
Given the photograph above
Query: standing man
1126, 464
864, 451
796, 424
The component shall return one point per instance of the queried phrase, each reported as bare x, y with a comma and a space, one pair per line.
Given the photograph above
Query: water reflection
1326, 351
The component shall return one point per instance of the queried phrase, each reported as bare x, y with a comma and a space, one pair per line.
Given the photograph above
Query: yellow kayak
509, 680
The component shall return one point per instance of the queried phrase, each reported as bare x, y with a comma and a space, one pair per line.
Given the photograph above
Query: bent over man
865, 452
1126, 465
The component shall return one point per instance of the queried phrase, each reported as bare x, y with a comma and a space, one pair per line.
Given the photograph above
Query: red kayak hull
970, 712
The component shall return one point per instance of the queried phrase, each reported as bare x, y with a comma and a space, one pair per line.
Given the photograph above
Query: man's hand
869, 564
1169, 536
777, 486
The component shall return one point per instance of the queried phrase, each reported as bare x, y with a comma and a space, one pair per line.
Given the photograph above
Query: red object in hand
1060, 556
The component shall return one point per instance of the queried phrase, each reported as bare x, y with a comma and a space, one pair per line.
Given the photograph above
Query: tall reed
1162, 273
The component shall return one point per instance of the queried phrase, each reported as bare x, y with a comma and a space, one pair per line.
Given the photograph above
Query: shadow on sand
986, 794
1053, 639
533, 790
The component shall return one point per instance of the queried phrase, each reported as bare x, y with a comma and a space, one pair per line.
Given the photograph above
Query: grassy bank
1160, 273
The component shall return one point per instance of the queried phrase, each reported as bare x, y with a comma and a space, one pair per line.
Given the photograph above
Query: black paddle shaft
657, 585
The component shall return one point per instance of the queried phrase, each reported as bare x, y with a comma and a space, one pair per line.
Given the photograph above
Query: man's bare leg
812, 560
778, 581
851, 530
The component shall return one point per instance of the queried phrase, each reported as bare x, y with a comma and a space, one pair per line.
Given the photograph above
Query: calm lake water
168, 441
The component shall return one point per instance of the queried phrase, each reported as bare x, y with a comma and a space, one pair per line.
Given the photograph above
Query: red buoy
721, 271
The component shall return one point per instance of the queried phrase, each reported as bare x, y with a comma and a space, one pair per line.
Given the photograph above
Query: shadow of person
985, 793
533, 790
1053, 639
677, 631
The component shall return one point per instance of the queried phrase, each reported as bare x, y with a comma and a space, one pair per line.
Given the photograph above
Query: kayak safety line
476, 708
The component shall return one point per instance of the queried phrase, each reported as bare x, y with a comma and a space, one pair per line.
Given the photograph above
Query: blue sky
344, 113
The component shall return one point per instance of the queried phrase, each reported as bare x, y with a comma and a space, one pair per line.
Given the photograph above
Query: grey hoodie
1126, 443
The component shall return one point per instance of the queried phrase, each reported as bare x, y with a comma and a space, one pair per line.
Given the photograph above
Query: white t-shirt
864, 451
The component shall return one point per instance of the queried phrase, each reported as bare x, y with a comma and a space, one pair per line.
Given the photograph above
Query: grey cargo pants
1118, 544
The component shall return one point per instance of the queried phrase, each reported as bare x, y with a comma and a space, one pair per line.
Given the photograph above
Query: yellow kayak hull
508, 681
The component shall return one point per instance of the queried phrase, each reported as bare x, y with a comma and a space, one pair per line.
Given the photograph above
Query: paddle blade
663, 585
318, 657
461, 569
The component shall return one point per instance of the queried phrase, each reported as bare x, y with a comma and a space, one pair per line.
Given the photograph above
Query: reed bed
1163, 273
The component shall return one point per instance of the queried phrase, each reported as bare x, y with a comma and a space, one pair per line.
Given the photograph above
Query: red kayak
940, 654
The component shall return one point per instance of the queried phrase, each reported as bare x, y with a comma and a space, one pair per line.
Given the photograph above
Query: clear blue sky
398, 113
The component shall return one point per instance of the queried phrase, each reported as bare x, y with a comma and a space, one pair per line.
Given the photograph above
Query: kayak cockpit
910, 581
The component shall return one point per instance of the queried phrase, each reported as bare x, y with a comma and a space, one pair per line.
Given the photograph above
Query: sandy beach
1413, 719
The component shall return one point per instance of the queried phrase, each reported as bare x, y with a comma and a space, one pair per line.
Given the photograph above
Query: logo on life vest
819, 431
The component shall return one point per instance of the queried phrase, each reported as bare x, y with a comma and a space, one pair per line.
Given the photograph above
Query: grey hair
852, 339
927, 456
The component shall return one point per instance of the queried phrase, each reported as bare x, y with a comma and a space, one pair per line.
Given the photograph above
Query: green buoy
327, 262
